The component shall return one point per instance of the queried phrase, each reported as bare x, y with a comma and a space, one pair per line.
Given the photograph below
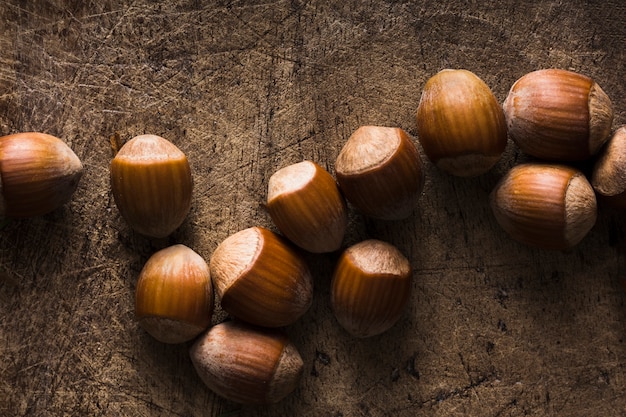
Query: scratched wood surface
243, 88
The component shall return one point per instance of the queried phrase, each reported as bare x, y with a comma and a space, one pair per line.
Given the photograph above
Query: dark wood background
243, 88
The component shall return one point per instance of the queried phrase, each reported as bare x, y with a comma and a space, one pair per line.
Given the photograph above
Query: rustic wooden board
246, 87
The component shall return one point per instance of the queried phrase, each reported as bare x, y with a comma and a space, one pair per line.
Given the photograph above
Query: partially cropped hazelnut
38, 174
609, 172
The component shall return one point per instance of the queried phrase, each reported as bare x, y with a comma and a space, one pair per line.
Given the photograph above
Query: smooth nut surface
380, 172
307, 207
260, 278
247, 364
558, 115
152, 185
174, 295
545, 205
38, 174
609, 172
460, 123
370, 288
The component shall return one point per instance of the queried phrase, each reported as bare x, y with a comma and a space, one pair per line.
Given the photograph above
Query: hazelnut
305, 204
609, 172
247, 364
545, 205
558, 115
460, 123
260, 278
174, 295
370, 287
38, 174
380, 172
152, 185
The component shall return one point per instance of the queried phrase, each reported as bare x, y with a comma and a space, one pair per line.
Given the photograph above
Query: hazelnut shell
558, 115
460, 123
547, 206
261, 278
609, 172
247, 364
306, 205
38, 174
174, 295
152, 185
370, 288
380, 172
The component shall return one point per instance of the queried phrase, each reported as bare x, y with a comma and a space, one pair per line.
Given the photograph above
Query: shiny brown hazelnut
247, 364
174, 295
380, 172
261, 278
152, 185
370, 287
306, 205
558, 115
460, 123
38, 174
545, 205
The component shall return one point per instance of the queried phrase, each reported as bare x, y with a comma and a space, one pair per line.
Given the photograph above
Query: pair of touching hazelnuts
261, 278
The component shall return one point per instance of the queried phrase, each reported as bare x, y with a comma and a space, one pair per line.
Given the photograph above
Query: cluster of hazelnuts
261, 277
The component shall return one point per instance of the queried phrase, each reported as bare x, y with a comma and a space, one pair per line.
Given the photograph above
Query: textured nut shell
174, 295
260, 278
170, 331
367, 148
246, 364
460, 123
38, 174
543, 205
601, 116
152, 185
558, 115
609, 172
370, 288
307, 207
380, 172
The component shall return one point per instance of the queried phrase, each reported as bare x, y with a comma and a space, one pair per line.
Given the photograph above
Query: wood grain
244, 88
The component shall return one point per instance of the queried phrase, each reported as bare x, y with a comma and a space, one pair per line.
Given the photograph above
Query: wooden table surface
494, 328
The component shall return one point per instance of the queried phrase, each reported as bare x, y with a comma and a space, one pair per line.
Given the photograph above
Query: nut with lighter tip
152, 185
460, 123
261, 278
608, 178
306, 205
558, 115
548, 206
370, 287
380, 172
247, 364
38, 174
174, 295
